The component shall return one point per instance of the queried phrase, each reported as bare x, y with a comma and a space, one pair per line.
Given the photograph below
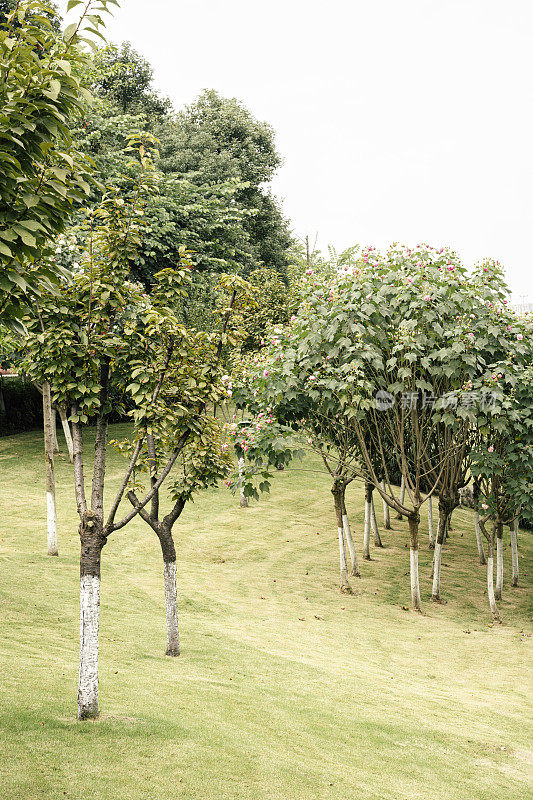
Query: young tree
107, 346
502, 459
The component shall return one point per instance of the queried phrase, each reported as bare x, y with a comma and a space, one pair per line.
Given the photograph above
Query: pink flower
491, 449
484, 506
266, 373
427, 297
519, 336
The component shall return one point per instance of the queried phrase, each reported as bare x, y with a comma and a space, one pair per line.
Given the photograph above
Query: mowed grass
286, 689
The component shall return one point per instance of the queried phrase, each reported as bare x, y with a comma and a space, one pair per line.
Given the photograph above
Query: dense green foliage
42, 92
217, 139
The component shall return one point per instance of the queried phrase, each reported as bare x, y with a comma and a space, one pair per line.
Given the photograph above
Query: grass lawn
286, 689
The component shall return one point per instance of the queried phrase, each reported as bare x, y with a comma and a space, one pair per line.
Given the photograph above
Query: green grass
285, 689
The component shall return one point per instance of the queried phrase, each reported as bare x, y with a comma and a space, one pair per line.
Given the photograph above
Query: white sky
398, 120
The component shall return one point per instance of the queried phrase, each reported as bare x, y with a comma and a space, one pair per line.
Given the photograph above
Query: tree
43, 172
217, 139
106, 346
124, 78
502, 458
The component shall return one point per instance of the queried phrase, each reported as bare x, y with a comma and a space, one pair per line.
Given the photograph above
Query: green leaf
70, 30
30, 200
53, 91
65, 66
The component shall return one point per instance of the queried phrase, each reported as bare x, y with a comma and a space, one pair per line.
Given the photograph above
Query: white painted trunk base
366, 532
514, 553
499, 568
479, 539
51, 524
89, 623
490, 587
68, 435
430, 523
342, 558
435, 592
351, 546
171, 608
415, 584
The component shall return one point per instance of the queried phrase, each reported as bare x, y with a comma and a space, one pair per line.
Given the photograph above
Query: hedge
23, 406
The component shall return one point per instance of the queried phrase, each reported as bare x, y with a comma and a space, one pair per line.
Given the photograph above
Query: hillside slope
286, 689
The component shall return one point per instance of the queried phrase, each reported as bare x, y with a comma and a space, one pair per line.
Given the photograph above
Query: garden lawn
286, 689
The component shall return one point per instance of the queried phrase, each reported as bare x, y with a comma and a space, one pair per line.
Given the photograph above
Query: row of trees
385, 368
402, 369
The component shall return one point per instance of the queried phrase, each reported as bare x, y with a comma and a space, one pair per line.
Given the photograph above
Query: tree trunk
437, 556
349, 539
499, 561
430, 523
479, 538
171, 592
92, 541
402, 496
386, 510
514, 551
368, 515
374, 524
244, 499
68, 435
345, 584
490, 578
449, 528
51, 515
413, 559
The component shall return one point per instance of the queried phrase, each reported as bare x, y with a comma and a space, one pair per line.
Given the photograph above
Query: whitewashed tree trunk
499, 562
514, 552
386, 510
171, 609
413, 564
437, 558
479, 538
437, 555
366, 531
51, 514
89, 624
345, 585
351, 546
430, 523
67, 432
490, 579
337, 498
374, 525
415, 583
242, 467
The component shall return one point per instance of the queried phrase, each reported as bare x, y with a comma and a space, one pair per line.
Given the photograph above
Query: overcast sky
397, 120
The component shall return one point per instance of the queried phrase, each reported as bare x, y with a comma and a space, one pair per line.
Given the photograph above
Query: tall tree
216, 139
